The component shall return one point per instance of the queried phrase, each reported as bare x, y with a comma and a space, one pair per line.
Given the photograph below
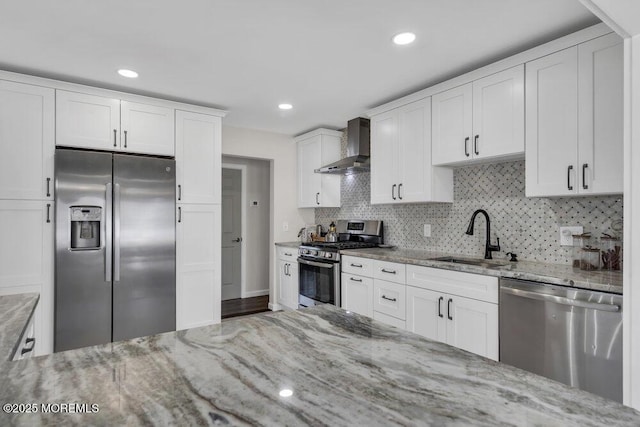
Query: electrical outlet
566, 234
427, 230
285, 226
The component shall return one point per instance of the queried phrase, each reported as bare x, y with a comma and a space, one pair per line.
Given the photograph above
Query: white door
198, 157
147, 129
197, 266
498, 114
231, 233
26, 141
452, 125
426, 311
87, 121
357, 294
552, 124
309, 182
472, 325
384, 157
600, 115
414, 152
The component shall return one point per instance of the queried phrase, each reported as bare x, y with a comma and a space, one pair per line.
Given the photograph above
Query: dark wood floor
244, 306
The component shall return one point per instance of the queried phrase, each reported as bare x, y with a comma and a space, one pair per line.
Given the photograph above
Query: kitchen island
342, 369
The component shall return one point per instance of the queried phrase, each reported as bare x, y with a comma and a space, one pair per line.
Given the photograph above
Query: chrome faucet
488, 247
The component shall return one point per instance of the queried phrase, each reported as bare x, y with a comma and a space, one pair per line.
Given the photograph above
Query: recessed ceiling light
404, 38
286, 392
130, 74
285, 106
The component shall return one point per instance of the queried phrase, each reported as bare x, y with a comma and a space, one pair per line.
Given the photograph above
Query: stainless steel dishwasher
570, 335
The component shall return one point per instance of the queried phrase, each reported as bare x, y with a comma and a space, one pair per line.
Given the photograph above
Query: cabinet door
26, 259
426, 312
329, 183
309, 182
357, 294
147, 129
283, 285
552, 123
600, 115
384, 157
198, 158
292, 300
414, 152
452, 125
472, 325
26, 141
498, 115
197, 266
87, 121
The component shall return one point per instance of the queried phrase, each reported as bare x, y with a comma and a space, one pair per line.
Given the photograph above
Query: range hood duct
358, 150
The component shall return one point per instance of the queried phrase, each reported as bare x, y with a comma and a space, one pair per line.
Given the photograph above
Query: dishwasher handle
560, 300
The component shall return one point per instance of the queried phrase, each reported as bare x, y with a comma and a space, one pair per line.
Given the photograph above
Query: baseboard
275, 307
250, 294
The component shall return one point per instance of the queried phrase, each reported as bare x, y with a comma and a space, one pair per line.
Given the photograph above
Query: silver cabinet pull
584, 182
109, 238
569, 169
384, 270
389, 299
115, 136
399, 195
179, 214
356, 265
116, 234
48, 184
393, 191
48, 212
179, 192
353, 279
125, 139
317, 198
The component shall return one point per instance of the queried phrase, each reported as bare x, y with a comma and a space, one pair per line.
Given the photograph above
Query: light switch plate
427, 230
566, 234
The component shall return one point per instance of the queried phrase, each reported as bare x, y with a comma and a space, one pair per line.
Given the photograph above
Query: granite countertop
536, 271
288, 244
343, 369
15, 312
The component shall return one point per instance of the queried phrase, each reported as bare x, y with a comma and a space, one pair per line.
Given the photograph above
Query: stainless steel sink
485, 263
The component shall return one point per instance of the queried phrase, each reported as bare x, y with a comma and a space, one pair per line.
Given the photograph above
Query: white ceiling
332, 59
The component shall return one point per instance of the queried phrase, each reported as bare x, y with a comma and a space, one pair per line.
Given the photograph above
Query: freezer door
83, 261
144, 236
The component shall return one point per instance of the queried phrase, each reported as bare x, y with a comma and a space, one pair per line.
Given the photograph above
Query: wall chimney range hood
358, 150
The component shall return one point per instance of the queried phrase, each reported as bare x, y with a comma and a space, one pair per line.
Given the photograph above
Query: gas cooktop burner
343, 245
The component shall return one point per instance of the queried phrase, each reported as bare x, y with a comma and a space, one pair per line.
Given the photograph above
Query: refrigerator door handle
108, 250
116, 234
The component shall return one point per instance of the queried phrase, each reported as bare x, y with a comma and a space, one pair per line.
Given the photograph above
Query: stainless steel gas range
319, 262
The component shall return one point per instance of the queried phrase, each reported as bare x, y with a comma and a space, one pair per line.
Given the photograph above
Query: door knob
239, 239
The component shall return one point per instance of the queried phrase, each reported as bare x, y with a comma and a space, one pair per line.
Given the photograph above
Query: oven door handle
316, 264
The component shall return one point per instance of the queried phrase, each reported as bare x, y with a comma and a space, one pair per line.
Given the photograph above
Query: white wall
256, 229
280, 150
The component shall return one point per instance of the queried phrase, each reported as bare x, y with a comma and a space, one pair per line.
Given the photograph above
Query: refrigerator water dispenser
85, 227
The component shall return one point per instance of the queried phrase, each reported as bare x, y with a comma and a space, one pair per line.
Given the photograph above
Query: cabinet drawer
287, 253
475, 286
389, 320
390, 271
359, 266
27, 342
389, 298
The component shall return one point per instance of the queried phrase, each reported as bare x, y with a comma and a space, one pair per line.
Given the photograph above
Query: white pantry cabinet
287, 277
574, 120
442, 305
198, 158
27, 122
198, 273
316, 149
401, 170
90, 121
480, 120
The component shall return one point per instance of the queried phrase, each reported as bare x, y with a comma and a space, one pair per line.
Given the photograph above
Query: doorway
246, 210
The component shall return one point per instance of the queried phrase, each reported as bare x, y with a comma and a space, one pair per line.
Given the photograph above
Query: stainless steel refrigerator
115, 247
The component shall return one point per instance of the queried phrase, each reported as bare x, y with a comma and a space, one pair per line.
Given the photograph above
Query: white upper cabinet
481, 120
147, 129
317, 149
401, 170
27, 121
574, 120
198, 157
89, 121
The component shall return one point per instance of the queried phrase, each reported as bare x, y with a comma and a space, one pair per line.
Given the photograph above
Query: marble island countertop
564, 275
342, 369
15, 312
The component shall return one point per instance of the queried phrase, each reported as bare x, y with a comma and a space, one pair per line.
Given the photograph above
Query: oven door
319, 282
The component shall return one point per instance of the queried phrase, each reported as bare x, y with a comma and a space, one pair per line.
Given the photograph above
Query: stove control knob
313, 252
304, 251
328, 255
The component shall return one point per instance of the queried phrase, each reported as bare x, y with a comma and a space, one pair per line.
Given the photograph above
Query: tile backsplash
526, 226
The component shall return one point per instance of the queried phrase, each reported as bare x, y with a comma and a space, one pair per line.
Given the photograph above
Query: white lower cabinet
357, 294
287, 278
198, 277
